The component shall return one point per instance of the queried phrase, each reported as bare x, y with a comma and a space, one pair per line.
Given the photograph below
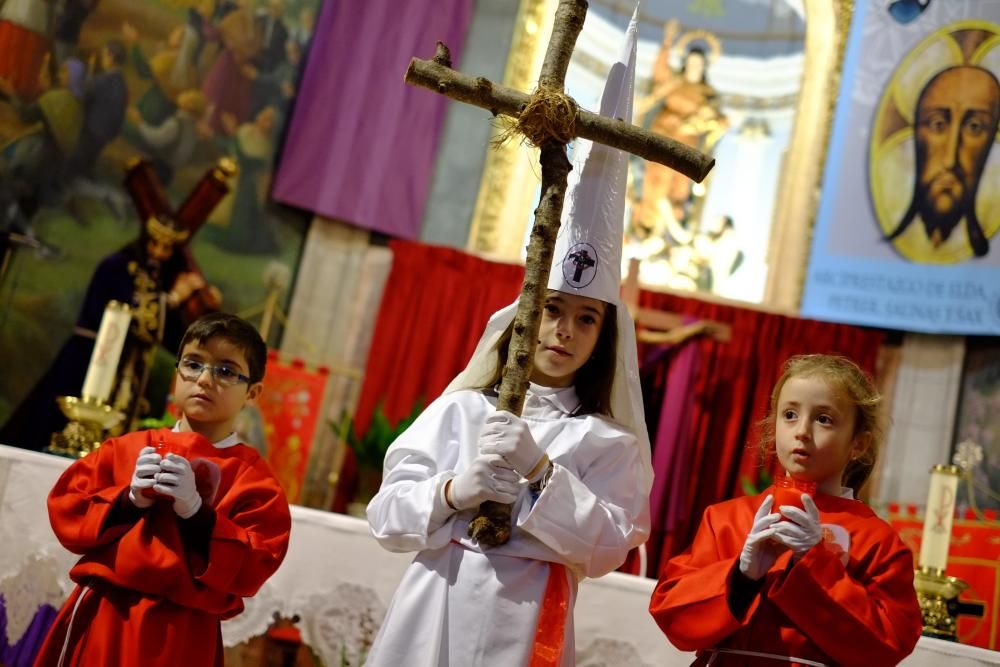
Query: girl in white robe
463, 604
575, 465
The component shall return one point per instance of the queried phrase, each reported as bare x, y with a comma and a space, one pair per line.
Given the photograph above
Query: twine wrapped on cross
550, 115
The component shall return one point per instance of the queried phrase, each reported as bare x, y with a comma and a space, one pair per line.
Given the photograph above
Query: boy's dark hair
593, 381
237, 331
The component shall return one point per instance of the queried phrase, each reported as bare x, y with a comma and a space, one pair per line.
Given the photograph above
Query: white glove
487, 478
176, 479
508, 436
147, 465
759, 551
802, 531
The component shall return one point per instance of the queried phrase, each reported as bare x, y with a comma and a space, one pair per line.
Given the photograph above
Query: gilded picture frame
511, 174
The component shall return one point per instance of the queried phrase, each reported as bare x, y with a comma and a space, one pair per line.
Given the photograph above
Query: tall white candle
939, 517
107, 351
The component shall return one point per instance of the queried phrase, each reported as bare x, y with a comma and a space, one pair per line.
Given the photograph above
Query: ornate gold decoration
714, 45
797, 201
148, 314
88, 420
226, 168
164, 233
938, 597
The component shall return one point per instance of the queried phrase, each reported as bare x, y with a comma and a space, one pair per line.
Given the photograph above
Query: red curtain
731, 394
434, 308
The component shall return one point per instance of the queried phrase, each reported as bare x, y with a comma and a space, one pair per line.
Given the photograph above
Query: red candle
788, 491
163, 447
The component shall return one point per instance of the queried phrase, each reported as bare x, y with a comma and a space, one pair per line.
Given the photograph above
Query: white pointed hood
588, 255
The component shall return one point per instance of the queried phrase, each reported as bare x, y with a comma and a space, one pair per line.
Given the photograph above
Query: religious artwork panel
977, 431
723, 78
906, 233
188, 101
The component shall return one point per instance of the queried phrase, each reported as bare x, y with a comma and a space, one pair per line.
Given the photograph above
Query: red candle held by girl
788, 491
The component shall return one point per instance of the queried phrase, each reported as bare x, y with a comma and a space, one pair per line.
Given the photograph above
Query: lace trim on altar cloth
338, 622
39, 581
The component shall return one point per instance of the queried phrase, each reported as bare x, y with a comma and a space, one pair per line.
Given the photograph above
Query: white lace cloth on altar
337, 621
339, 581
34, 568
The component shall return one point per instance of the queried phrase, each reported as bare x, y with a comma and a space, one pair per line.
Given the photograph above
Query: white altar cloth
339, 581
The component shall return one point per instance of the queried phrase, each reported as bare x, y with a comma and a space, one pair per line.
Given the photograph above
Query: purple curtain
672, 445
361, 144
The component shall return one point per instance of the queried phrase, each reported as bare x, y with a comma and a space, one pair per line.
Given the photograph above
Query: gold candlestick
88, 420
937, 592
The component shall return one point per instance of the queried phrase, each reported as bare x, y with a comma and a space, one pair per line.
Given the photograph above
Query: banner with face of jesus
906, 235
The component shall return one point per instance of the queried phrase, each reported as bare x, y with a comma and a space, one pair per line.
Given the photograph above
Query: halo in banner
892, 155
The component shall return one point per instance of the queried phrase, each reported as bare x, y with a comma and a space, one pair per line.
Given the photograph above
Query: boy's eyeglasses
224, 374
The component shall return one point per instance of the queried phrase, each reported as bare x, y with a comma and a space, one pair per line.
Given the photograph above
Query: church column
337, 295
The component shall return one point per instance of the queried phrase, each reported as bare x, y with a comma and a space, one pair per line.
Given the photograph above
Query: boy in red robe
821, 580
175, 527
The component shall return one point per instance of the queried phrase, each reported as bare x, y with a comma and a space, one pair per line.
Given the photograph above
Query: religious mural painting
88, 85
907, 228
977, 434
723, 78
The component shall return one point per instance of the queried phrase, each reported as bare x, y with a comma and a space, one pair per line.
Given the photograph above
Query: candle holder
88, 420
939, 604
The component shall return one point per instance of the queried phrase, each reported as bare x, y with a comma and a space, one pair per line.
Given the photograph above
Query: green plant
166, 421
764, 480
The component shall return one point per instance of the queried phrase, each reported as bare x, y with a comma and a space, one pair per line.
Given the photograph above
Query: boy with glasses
175, 527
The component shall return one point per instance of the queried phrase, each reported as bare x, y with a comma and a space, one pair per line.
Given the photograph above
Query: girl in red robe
825, 583
174, 528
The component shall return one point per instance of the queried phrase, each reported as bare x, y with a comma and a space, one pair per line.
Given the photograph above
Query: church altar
336, 579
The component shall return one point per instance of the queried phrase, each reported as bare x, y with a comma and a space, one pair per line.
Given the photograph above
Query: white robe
458, 604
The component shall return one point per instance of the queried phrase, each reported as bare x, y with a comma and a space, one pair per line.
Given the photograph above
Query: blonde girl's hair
847, 376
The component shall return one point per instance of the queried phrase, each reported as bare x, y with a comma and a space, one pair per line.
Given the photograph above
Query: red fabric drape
434, 308
732, 390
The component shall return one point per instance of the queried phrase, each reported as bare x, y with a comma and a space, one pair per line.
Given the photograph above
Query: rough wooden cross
492, 526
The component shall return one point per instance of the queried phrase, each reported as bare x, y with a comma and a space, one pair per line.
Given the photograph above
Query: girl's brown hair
843, 374
593, 381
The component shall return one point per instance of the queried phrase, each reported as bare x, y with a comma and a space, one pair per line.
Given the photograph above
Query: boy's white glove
147, 465
803, 530
176, 479
486, 478
759, 552
509, 437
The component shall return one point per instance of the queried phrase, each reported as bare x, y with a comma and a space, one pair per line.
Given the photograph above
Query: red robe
148, 594
818, 609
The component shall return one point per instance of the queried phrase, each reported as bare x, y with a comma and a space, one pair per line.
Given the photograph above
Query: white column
923, 416
331, 320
